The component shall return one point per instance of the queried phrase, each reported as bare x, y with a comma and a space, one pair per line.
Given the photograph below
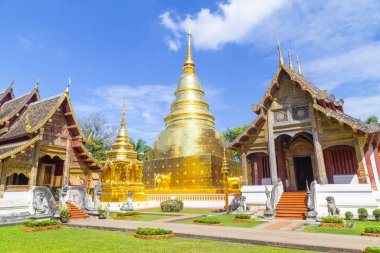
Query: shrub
372, 249
376, 212
153, 231
332, 220
372, 230
44, 223
348, 214
64, 214
363, 212
127, 213
260, 216
242, 216
172, 205
207, 220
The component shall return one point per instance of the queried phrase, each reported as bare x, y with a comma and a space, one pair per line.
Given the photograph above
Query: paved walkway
257, 236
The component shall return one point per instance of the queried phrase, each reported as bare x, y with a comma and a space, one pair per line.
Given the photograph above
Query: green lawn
148, 217
357, 230
14, 240
227, 221
185, 211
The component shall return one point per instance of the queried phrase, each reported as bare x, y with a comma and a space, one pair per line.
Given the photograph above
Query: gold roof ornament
68, 85
280, 54
188, 66
28, 127
37, 83
299, 66
290, 60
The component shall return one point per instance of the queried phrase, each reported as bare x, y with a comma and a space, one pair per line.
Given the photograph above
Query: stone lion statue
331, 206
235, 182
38, 203
243, 205
162, 181
97, 193
128, 206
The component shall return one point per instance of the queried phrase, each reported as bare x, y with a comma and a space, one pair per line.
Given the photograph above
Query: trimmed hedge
208, 220
36, 224
363, 212
153, 231
376, 212
332, 220
242, 216
172, 205
127, 213
372, 230
372, 249
348, 214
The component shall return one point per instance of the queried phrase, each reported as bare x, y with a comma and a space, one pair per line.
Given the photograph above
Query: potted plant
102, 213
376, 214
64, 215
349, 215
363, 214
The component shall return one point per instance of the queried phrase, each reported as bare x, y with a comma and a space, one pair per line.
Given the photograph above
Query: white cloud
362, 107
26, 43
231, 23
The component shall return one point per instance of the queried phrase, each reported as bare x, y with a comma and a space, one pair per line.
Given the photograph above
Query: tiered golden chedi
123, 172
188, 155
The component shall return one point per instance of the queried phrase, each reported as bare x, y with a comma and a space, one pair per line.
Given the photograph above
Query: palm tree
141, 148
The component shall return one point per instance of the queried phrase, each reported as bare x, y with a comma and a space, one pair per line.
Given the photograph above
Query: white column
271, 149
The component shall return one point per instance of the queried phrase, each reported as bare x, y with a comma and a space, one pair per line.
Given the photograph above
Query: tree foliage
371, 119
141, 148
231, 134
100, 134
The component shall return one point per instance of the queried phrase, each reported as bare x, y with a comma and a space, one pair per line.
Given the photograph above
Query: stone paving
260, 235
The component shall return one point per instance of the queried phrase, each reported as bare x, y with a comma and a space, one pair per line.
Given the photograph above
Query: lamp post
225, 171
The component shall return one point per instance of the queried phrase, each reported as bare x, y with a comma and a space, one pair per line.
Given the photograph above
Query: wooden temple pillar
66, 163
359, 143
85, 181
271, 149
3, 179
280, 152
318, 151
369, 166
375, 145
35, 160
260, 169
244, 168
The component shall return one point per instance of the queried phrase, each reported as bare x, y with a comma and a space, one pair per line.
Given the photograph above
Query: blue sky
112, 49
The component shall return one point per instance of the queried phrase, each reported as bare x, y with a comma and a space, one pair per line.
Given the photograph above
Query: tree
141, 148
371, 119
231, 134
100, 134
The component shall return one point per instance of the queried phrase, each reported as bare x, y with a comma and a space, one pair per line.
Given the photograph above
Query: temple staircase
292, 205
75, 212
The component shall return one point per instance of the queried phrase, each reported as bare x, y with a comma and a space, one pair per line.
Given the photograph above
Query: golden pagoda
122, 171
188, 154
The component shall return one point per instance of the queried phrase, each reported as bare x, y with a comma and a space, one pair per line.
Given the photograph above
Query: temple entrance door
304, 171
46, 175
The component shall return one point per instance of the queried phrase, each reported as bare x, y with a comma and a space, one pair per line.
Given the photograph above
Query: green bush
172, 205
260, 216
127, 213
242, 216
348, 214
332, 220
363, 212
376, 212
64, 214
373, 249
153, 231
372, 230
44, 223
208, 220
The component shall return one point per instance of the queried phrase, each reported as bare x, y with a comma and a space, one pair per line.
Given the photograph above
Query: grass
227, 221
65, 240
184, 211
147, 217
357, 230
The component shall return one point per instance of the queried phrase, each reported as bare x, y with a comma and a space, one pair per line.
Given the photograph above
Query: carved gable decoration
281, 116
300, 113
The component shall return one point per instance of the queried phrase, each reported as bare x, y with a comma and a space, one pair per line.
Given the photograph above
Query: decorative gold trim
19, 149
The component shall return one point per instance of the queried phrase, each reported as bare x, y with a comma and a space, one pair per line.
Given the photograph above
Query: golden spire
280, 54
299, 66
189, 66
123, 124
290, 60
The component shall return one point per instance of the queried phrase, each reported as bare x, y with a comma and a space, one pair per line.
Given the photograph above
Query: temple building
122, 171
188, 154
41, 144
302, 134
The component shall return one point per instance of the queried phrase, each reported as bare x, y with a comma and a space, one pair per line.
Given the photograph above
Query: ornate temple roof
313, 91
6, 95
13, 148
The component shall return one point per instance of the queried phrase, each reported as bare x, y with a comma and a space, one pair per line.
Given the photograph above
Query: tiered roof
323, 102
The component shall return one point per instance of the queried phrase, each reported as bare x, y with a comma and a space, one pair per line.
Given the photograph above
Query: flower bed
333, 222
126, 215
40, 225
371, 231
207, 221
242, 217
153, 233
372, 250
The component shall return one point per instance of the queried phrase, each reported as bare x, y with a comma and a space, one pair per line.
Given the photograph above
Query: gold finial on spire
188, 66
37, 83
123, 124
290, 60
299, 66
68, 85
13, 81
280, 54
